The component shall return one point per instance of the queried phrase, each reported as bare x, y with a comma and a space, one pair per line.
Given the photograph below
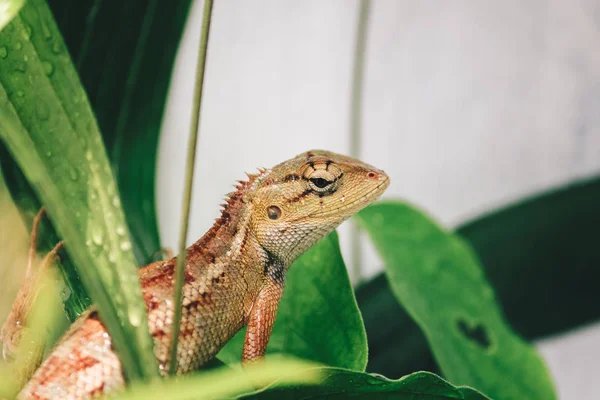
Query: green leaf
74, 296
124, 58
8, 10
48, 126
225, 382
548, 241
342, 383
438, 279
318, 318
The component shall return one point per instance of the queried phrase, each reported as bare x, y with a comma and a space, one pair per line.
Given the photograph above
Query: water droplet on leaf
56, 48
135, 317
41, 109
73, 173
48, 67
18, 46
126, 245
97, 238
3, 52
20, 66
27, 32
46, 31
65, 293
120, 230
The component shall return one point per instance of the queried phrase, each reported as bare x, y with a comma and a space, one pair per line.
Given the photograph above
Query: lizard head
300, 201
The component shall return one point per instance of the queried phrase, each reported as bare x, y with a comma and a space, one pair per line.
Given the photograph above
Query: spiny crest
235, 198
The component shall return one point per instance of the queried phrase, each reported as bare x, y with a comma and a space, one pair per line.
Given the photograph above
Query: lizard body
234, 275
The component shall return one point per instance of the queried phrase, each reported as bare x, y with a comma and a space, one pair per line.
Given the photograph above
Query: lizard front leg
262, 318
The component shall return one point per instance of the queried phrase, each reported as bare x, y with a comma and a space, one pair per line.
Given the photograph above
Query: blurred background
468, 106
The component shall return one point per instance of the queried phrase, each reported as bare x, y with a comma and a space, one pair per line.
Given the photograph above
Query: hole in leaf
474, 332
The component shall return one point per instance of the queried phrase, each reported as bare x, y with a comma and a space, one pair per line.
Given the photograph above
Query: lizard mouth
365, 200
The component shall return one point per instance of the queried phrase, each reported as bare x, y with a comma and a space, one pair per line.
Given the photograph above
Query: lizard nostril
372, 175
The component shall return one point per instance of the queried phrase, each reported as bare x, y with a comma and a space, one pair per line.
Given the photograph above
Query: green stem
356, 120
189, 174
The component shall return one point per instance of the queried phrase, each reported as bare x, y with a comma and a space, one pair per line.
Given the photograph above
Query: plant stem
189, 174
356, 120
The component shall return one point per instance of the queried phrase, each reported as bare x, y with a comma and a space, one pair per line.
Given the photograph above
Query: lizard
234, 275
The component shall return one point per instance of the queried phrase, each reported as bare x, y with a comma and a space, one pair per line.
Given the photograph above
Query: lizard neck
230, 238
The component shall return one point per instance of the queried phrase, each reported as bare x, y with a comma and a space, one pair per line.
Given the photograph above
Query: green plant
435, 276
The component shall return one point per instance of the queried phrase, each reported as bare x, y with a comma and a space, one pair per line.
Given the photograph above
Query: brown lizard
234, 275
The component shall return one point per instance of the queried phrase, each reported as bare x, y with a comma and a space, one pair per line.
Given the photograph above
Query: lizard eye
319, 183
273, 212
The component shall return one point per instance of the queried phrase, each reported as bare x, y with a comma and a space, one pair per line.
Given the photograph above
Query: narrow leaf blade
49, 128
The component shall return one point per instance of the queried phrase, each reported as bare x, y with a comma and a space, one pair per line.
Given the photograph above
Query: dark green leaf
437, 278
48, 126
340, 383
318, 318
536, 254
124, 52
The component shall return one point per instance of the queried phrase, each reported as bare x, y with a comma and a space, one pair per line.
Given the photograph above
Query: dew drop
20, 66
88, 155
27, 32
135, 316
3, 52
116, 201
343, 198
65, 294
97, 238
46, 31
120, 230
18, 46
126, 245
41, 109
73, 173
56, 48
48, 67
112, 257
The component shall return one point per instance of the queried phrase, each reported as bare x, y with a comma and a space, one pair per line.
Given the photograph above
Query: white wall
467, 105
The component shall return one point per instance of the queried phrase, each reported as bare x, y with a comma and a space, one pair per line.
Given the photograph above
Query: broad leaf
48, 126
318, 318
340, 383
547, 241
438, 279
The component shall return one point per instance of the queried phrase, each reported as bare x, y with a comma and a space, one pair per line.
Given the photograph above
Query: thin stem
189, 173
356, 120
